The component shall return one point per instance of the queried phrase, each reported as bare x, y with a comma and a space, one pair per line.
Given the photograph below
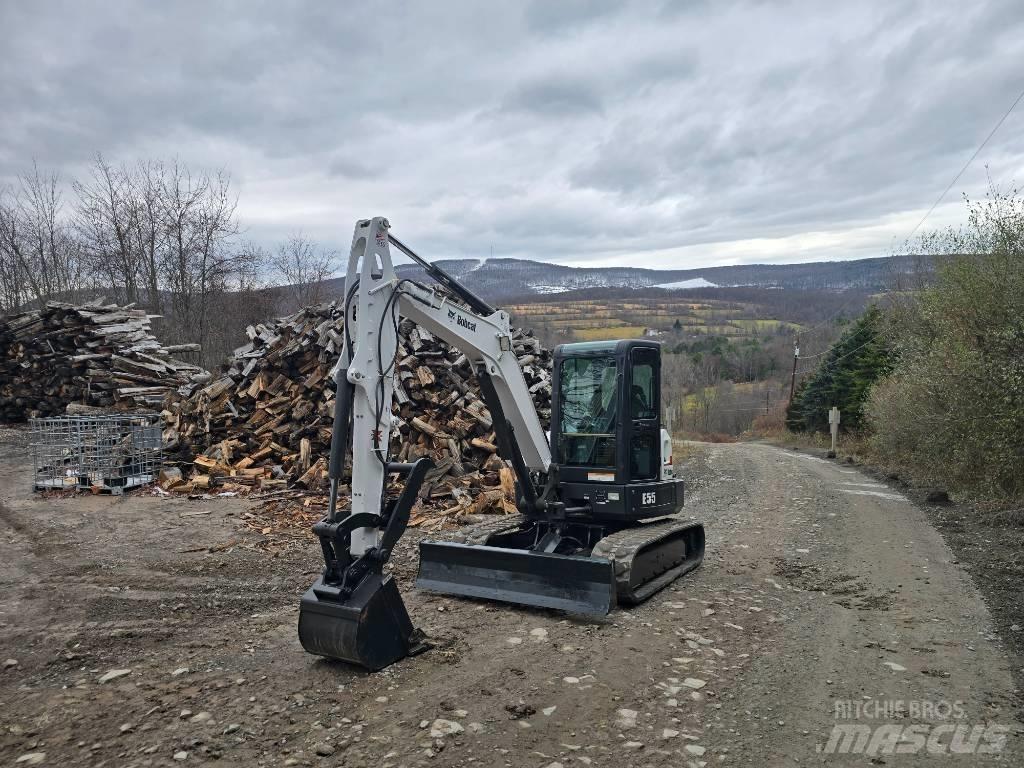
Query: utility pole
796, 356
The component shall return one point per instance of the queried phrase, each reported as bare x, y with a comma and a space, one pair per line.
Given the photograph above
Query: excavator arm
354, 611
376, 299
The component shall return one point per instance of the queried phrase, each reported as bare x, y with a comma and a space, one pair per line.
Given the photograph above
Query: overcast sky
649, 134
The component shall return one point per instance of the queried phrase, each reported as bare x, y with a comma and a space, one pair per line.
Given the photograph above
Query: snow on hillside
696, 282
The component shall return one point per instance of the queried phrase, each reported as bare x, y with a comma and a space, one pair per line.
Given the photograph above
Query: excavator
597, 521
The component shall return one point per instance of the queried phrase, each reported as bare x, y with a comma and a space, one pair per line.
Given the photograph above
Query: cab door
643, 404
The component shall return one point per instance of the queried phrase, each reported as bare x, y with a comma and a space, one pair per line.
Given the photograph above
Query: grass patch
606, 334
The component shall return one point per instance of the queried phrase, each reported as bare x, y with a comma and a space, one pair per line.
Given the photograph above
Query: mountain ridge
502, 277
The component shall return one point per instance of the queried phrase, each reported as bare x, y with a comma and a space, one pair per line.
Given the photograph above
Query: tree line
156, 234
934, 380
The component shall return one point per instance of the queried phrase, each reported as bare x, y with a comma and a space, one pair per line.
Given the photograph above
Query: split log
274, 403
81, 359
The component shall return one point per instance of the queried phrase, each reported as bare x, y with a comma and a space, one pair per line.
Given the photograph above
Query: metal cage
106, 453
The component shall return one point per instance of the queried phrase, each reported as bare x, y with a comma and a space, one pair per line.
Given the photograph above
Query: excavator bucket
584, 585
354, 612
371, 628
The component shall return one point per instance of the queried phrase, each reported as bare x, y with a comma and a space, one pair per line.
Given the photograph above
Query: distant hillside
499, 278
678, 315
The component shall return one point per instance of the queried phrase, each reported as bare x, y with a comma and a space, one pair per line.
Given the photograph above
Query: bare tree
14, 277
303, 267
106, 220
148, 237
163, 236
709, 377
198, 263
248, 301
39, 255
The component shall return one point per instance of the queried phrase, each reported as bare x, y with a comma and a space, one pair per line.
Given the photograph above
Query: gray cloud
554, 98
573, 131
546, 17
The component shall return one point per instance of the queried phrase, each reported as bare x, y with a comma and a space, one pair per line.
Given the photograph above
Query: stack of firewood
86, 356
266, 422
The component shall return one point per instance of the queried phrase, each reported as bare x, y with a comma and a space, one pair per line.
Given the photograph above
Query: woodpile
92, 356
266, 422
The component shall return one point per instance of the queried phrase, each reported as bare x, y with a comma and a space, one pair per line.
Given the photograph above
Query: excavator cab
606, 430
606, 411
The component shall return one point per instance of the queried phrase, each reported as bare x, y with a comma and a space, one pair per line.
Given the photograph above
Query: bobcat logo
460, 320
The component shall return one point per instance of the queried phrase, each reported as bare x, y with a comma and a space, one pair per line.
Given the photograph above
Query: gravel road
148, 631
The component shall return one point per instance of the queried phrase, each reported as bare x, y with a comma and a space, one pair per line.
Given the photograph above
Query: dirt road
824, 596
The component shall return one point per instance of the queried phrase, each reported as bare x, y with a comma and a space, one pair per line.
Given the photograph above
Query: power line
833, 316
829, 363
966, 165
917, 226
696, 416
820, 354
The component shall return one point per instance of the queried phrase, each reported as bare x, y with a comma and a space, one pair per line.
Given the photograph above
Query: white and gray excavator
596, 523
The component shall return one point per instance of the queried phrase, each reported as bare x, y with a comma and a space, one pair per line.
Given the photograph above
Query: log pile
86, 356
266, 422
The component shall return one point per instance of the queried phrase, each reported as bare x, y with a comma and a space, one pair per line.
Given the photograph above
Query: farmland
572, 317
728, 351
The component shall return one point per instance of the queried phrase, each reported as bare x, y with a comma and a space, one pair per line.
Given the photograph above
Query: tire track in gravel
874, 611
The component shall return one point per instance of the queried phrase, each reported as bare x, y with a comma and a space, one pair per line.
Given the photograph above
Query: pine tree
843, 378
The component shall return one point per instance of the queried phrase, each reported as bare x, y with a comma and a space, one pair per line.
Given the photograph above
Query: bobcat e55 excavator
594, 526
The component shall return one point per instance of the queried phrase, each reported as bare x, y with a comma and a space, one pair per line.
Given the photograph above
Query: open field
609, 332
578, 319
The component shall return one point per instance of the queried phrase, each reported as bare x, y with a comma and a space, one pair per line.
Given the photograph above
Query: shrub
770, 424
952, 412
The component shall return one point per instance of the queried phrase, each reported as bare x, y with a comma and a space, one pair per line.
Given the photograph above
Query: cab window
643, 393
587, 402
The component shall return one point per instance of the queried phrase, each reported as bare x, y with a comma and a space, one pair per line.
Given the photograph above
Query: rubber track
622, 547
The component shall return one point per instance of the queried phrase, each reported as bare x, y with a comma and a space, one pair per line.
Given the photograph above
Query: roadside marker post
833, 425
796, 358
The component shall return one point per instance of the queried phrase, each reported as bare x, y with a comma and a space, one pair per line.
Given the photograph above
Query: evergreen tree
843, 378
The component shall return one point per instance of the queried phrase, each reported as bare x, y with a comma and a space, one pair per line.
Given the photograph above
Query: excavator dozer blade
371, 628
570, 583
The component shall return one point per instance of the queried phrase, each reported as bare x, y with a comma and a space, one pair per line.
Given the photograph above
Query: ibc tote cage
104, 453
